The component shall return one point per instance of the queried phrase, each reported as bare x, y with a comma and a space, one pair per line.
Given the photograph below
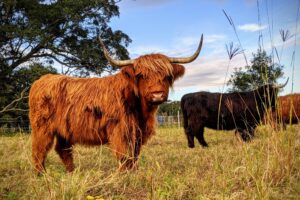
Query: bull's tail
184, 112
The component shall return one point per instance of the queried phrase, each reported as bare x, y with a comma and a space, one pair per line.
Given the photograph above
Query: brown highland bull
117, 110
287, 111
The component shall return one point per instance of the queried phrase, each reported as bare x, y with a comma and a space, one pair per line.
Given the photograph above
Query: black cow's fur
241, 111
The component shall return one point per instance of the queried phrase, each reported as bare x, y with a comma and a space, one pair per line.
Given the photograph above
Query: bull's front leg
130, 161
127, 153
137, 150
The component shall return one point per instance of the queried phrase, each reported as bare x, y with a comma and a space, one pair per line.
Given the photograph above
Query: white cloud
215, 38
146, 49
192, 41
181, 46
208, 72
252, 27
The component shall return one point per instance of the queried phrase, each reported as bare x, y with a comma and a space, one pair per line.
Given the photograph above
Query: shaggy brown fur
118, 110
287, 112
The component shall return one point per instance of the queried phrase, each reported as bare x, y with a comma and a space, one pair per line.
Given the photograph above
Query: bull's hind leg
41, 144
200, 136
64, 150
190, 136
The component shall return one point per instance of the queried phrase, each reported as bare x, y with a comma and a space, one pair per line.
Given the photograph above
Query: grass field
266, 168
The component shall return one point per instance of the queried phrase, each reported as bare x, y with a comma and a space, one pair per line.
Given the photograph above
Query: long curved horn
281, 86
188, 59
117, 63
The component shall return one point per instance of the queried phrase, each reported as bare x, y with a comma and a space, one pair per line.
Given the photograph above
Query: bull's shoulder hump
193, 94
200, 95
50, 76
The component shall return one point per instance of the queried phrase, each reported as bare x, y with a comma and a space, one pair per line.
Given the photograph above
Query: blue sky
174, 27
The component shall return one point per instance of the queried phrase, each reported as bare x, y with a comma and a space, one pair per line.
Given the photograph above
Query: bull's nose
158, 96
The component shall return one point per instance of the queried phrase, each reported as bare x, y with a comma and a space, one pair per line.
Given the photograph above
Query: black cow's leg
247, 134
200, 137
244, 134
190, 137
239, 131
64, 150
251, 132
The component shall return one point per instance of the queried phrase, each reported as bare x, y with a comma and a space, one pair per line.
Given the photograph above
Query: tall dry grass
266, 168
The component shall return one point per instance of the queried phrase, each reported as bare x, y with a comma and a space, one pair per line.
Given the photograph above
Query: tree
14, 100
20, 82
261, 71
58, 31
169, 108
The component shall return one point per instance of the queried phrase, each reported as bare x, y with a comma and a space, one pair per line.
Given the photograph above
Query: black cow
241, 111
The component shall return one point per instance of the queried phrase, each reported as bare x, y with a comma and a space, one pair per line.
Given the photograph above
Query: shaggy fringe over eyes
156, 63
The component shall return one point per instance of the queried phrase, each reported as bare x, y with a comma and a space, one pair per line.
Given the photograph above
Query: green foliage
24, 77
169, 108
62, 31
261, 71
17, 81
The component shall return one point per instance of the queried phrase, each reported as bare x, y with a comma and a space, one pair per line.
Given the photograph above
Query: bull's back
204, 108
42, 96
200, 108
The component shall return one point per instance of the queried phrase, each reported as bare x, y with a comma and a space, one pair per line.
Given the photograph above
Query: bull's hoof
245, 135
204, 145
123, 168
128, 165
39, 174
40, 171
70, 168
191, 146
246, 138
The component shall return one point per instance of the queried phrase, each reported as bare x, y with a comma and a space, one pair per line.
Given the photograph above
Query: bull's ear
178, 71
128, 71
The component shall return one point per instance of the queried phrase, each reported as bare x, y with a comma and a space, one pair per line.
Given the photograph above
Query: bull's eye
169, 79
140, 76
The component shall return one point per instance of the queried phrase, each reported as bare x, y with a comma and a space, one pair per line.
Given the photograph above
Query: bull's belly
287, 120
84, 137
220, 127
227, 124
89, 141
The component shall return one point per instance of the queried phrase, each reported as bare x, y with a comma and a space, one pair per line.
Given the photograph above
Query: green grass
266, 168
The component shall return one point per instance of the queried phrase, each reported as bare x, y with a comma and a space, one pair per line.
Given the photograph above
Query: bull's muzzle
158, 97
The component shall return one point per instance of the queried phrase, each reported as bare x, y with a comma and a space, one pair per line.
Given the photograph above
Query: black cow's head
267, 94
